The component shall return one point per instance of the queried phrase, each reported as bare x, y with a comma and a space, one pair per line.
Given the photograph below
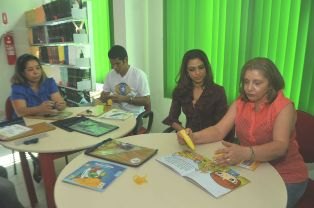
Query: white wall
143, 23
16, 23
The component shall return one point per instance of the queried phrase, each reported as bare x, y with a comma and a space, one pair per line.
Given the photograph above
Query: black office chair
139, 127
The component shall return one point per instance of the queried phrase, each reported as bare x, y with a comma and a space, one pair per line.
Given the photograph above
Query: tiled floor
6, 161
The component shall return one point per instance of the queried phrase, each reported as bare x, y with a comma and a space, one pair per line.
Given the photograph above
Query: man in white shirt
126, 85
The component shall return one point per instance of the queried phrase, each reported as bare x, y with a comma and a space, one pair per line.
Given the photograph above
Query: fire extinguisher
9, 47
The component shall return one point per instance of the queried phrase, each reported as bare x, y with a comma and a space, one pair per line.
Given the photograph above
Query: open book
11, 131
95, 175
121, 152
204, 172
117, 114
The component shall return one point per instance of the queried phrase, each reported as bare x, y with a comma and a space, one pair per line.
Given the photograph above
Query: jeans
295, 192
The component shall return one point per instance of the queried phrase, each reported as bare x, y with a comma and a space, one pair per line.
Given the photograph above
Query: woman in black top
202, 101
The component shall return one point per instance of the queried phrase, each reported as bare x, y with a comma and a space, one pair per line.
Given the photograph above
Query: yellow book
61, 54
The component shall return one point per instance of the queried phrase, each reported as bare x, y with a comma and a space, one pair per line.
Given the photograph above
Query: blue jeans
295, 192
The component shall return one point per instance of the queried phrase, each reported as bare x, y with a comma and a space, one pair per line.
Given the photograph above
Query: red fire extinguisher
9, 48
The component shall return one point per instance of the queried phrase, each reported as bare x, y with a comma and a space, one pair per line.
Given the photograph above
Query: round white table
58, 143
167, 189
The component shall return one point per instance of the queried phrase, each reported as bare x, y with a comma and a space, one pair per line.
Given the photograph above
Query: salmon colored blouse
256, 128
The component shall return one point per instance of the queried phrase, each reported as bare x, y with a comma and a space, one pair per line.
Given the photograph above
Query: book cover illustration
95, 175
121, 152
202, 171
14, 130
117, 114
92, 127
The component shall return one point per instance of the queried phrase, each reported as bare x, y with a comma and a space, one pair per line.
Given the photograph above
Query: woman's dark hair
19, 77
184, 82
117, 51
271, 73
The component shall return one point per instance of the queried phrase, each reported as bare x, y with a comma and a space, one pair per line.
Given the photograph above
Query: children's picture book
92, 127
94, 111
203, 172
117, 114
11, 131
95, 175
34, 130
121, 152
248, 164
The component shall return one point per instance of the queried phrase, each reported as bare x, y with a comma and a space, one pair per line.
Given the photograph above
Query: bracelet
252, 158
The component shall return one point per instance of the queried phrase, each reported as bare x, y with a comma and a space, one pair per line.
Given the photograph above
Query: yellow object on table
187, 139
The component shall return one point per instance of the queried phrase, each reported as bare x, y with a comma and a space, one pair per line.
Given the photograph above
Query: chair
9, 111
147, 114
305, 138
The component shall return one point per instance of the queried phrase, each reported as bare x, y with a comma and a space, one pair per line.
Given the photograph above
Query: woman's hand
60, 105
189, 132
47, 107
232, 154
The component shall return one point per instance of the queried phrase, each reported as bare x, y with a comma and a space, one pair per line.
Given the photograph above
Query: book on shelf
116, 114
121, 152
95, 175
214, 179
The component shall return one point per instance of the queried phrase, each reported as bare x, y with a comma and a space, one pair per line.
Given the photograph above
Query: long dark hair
271, 73
18, 76
184, 82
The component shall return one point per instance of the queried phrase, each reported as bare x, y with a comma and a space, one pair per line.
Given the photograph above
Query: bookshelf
60, 36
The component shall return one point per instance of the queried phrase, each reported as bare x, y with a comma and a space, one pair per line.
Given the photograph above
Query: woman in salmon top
264, 120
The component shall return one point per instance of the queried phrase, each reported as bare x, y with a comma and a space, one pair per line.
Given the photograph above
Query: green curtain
102, 38
234, 31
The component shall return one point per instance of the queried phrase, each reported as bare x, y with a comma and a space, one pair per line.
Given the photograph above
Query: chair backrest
305, 135
139, 128
9, 110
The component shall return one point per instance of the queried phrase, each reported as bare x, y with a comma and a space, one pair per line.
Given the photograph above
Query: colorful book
203, 172
121, 152
95, 175
117, 114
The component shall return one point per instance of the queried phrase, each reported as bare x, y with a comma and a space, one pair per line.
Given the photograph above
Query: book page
214, 179
181, 165
13, 130
117, 114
